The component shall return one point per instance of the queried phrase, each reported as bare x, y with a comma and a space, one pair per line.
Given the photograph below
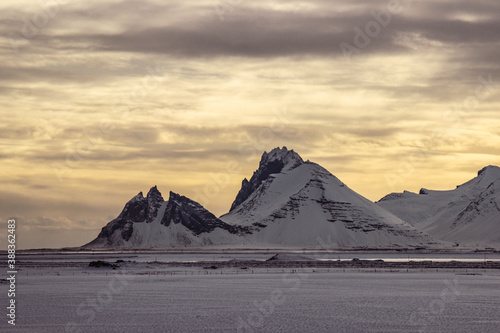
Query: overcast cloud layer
102, 99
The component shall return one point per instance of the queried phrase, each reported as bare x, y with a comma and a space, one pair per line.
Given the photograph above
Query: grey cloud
256, 32
241, 39
253, 31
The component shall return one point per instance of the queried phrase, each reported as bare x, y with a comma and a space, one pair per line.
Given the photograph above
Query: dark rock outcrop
276, 161
194, 216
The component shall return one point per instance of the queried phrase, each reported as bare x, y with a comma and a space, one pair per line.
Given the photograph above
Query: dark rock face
178, 209
126, 227
139, 209
154, 201
135, 211
194, 216
142, 209
270, 163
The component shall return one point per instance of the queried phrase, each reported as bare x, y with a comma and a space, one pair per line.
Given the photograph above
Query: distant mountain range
290, 203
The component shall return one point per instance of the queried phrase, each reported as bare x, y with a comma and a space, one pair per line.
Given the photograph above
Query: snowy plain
149, 297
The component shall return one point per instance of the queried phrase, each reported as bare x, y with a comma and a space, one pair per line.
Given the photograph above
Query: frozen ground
155, 298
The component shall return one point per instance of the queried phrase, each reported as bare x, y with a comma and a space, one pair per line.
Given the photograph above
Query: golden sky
100, 100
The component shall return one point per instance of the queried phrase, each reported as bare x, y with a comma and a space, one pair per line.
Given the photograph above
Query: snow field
84, 300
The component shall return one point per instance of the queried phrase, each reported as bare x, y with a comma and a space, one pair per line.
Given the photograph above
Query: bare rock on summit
276, 161
151, 222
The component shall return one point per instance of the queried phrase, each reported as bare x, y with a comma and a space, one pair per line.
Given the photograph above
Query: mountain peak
276, 161
288, 158
155, 200
153, 189
489, 170
176, 197
485, 177
154, 194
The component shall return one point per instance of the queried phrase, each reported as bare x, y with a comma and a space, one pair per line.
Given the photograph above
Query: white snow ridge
468, 215
289, 203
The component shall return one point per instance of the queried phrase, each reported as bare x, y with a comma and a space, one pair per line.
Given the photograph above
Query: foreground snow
152, 298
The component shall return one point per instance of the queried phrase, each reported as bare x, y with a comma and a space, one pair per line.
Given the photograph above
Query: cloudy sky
102, 99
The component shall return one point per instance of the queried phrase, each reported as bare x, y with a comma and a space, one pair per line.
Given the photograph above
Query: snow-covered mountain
468, 215
291, 203
151, 222
287, 203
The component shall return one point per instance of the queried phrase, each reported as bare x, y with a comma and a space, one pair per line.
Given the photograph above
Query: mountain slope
468, 215
292, 203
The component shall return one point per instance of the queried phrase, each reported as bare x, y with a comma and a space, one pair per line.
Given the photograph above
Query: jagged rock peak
177, 200
153, 190
154, 195
289, 158
276, 161
155, 200
174, 197
138, 197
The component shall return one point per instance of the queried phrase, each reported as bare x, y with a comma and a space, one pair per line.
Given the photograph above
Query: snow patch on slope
468, 215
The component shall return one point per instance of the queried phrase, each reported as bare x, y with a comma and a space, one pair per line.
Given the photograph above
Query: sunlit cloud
103, 99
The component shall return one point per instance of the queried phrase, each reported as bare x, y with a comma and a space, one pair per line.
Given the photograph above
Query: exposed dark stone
270, 163
248, 187
154, 200
423, 191
179, 209
138, 210
194, 216
127, 230
135, 210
